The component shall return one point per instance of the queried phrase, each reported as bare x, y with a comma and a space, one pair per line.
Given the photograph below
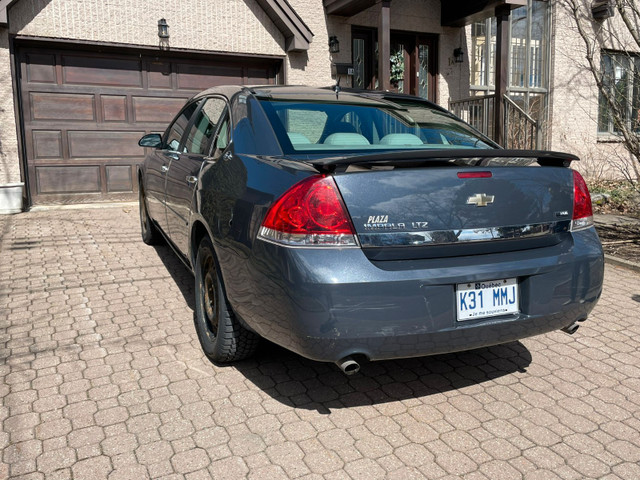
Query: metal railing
476, 111
521, 130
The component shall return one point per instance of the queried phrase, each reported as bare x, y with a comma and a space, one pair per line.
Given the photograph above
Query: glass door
413, 63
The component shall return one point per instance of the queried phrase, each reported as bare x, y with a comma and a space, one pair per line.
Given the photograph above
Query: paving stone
104, 378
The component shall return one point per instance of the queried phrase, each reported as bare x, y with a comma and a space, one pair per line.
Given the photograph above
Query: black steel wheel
222, 337
150, 234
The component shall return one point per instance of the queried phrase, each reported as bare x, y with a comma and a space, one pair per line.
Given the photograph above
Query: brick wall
9, 162
574, 96
312, 67
228, 26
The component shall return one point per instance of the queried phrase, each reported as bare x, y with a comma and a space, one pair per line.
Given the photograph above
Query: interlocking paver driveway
102, 377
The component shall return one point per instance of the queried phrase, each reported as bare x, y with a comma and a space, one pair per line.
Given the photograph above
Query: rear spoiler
469, 157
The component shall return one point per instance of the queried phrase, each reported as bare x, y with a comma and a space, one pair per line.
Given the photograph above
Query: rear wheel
222, 337
150, 234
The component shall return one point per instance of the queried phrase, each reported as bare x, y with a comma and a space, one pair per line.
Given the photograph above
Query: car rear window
316, 127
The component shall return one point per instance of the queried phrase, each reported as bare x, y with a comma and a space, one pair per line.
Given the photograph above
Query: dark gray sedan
350, 226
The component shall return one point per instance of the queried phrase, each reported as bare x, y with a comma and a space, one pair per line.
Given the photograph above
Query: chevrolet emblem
480, 200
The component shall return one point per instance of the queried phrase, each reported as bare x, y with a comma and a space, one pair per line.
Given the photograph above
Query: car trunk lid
452, 209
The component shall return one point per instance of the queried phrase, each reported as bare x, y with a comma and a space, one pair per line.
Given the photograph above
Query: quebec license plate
487, 299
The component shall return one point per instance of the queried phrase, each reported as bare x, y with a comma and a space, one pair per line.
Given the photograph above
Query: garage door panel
114, 108
201, 77
104, 144
47, 144
259, 76
62, 107
81, 70
41, 68
156, 109
68, 179
119, 178
159, 75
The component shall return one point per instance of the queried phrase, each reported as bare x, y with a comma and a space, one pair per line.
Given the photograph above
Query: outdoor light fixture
163, 28
334, 44
602, 10
458, 54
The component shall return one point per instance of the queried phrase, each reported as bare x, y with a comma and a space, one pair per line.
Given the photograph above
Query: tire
221, 336
150, 234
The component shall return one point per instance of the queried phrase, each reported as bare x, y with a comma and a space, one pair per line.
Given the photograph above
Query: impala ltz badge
381, 222
480, 200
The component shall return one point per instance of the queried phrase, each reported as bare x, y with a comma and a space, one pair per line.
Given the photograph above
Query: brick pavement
103, 377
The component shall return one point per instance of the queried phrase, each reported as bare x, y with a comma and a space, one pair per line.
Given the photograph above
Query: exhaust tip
348, 365
571, 329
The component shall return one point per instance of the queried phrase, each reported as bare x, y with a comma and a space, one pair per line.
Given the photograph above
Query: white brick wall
574, 97
9, 162
312, 67
226, 26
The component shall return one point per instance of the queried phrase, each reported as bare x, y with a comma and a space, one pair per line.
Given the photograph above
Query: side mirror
152, 140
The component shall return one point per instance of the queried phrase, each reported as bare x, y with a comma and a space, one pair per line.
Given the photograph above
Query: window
621, 79
176, 130
365, 127
222, 141
528, 56
204, 127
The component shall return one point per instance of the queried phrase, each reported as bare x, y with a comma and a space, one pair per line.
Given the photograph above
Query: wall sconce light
602, 9
334, 44
163, 28
458, 54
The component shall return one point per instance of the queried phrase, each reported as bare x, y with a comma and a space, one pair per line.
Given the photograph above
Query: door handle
191, 180
210, 159
164, 169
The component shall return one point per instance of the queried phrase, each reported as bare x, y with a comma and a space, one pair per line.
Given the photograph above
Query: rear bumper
326, 304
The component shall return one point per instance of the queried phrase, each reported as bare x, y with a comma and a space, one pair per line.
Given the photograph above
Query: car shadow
298, 382
178, 271
302, 383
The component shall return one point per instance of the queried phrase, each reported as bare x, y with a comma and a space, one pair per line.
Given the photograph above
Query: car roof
305, 93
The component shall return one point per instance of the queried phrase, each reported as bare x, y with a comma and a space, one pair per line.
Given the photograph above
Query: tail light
582, 210
309, 214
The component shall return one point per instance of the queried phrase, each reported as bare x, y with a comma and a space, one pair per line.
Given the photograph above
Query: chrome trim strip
468, 235
291, 240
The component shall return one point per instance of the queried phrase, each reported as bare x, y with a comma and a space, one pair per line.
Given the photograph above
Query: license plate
487, 299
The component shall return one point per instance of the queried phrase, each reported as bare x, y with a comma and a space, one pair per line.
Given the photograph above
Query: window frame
487, 69
632, 68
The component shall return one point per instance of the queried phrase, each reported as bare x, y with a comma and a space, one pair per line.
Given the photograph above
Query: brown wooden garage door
84, 111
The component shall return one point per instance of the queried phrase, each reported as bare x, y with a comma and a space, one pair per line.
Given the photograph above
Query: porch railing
521, 130
476, 111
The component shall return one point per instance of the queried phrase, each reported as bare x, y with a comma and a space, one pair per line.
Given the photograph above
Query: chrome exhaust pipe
348, 365
571, 329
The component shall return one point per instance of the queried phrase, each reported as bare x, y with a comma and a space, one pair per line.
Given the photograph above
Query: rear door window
201, 132
175, 132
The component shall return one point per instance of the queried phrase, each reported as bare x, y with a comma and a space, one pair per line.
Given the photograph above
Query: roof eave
297, 35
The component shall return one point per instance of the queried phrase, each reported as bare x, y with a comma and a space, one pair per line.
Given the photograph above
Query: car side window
176, 130
204, 126
222, 140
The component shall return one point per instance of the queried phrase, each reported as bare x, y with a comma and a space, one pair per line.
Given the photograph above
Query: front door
413, 66
413, 62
